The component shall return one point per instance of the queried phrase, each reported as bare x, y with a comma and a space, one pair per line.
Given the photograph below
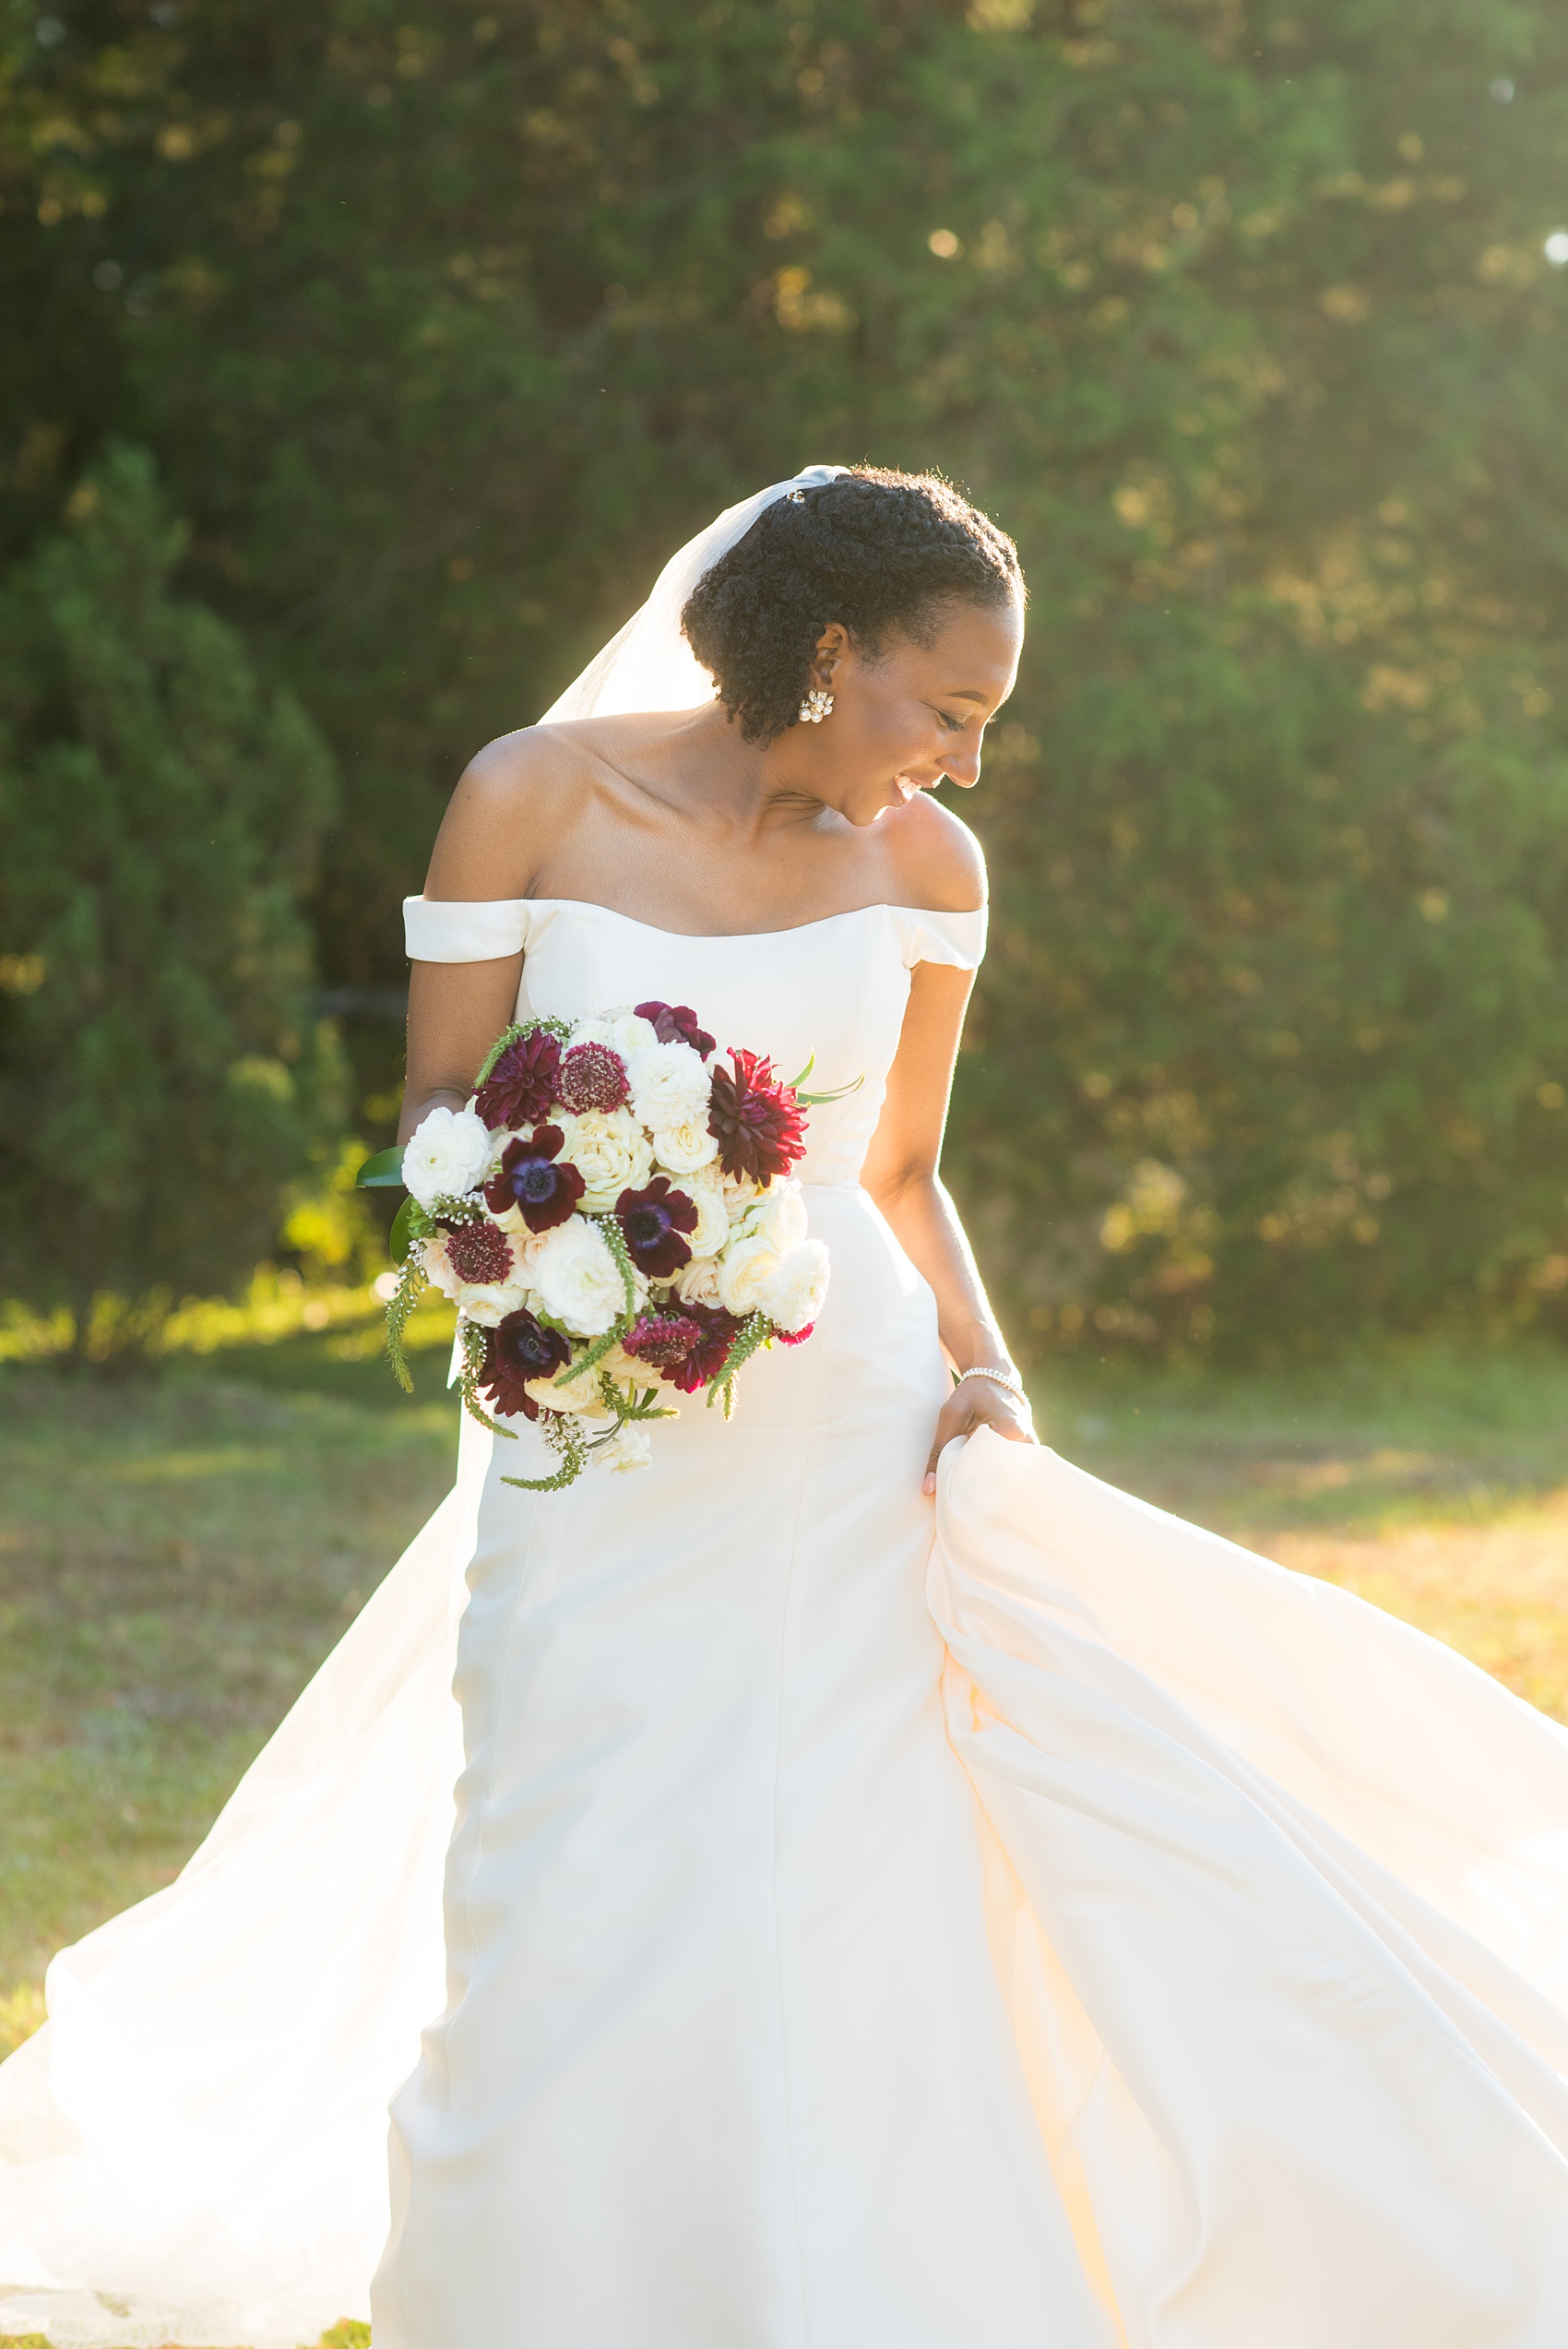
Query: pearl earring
816, 706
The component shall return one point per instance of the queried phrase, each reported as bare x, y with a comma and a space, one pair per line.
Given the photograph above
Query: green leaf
401, 1238
382, 1173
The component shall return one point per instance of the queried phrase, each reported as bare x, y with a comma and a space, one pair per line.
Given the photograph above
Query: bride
903, 1892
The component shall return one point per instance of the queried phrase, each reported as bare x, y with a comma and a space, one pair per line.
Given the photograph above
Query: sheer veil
649, 664
194, 2147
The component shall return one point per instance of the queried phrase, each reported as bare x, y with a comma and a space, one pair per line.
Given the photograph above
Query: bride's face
907, 717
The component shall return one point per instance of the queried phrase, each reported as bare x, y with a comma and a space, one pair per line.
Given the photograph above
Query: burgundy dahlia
520, 1089
676, 1023
591, 1076
662, 1339
757, 1123
478, 1253
718, 1332
535, 1179
653, 1222
518, 1350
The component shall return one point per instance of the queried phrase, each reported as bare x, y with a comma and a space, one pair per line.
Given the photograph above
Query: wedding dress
1037, 1923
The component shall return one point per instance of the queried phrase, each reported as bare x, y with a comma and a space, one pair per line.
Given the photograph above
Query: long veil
193, 2146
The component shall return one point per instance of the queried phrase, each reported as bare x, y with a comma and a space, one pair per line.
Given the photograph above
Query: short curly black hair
880, 551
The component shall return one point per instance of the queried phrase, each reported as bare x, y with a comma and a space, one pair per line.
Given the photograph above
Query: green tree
160, 1076
447, 325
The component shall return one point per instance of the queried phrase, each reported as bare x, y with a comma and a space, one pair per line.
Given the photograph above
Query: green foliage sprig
615, 1240
471, 1340
561, 1432
755, 1331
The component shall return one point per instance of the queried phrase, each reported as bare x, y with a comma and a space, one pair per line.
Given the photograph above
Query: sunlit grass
276, 1305
347, 2335
176, 1556
1433, 1481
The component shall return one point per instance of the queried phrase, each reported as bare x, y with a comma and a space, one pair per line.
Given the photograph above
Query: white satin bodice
837, 988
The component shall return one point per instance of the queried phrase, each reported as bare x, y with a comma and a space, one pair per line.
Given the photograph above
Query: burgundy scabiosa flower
757, 1123
520, 1089
536, 1179
717, 1333
653, 1222
519, 1349
676, 1023
591, 1076
479, 1254
662, 1339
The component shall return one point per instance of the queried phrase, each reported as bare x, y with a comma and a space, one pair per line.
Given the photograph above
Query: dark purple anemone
537, 1180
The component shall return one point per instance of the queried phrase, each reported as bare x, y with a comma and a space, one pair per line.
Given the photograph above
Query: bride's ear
831, 646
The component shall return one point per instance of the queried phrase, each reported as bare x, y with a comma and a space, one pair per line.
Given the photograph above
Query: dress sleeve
955, 938
463, 930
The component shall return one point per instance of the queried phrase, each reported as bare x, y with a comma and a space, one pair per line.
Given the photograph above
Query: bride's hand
978, 1403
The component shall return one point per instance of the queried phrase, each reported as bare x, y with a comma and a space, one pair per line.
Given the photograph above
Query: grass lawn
178, 1553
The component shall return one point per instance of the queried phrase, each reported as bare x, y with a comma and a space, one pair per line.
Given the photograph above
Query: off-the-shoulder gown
1042, 1925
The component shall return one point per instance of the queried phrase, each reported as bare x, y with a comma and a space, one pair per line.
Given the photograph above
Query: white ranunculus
487, 1302
745, 1269
609, 1152
792, 1298
578, 1279
630, 1447
780, 1215
697, 1283
449, 1154
685, 1149
670, 1086
707, 1194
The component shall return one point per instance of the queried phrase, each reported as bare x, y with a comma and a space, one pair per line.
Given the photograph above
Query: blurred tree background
1248, 318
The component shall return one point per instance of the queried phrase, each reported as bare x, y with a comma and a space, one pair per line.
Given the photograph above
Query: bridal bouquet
612, 1217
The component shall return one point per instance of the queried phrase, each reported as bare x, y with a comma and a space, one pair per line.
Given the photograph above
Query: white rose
792, 1298
697, 1283
620, 1028
685, 1149
780, 1216
609, 1152
745, 1269
630, 1447
740, 1198
578, 1279
450, 1151
486, 1302
632, 1033
706, 1195
580, 1395
670, 1086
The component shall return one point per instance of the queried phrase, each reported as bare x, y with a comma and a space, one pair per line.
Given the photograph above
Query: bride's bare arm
487, 848
901, 1176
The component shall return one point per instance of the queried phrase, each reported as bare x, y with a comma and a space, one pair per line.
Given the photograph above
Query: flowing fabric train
1270, 1876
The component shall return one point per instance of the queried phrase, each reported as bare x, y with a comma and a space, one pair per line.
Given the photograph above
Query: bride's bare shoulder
516, 802
936, 859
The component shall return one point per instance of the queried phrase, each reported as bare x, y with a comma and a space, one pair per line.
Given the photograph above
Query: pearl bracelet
1006, 1378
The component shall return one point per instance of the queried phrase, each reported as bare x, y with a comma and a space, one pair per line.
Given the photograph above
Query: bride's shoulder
936, 860
516, 800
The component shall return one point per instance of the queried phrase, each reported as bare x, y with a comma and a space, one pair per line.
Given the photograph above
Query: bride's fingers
958, 1416
966, 1411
